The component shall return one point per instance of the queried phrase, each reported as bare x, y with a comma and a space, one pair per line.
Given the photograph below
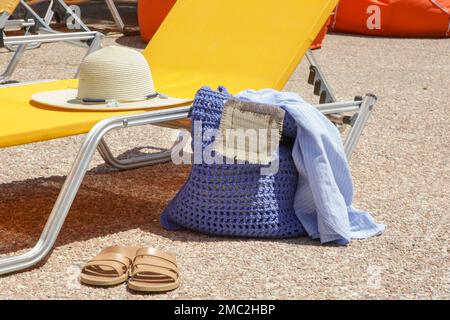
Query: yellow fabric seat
8, 6
22, 121
238, 44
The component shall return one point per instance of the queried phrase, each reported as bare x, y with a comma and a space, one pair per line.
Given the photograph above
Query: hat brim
67, 99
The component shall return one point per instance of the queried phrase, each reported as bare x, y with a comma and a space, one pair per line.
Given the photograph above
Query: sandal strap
154, 261
113, 256
157, 253
126, 251
118, 261
155, 270
157, 262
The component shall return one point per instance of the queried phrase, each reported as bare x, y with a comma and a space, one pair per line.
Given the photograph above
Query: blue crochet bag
235, 199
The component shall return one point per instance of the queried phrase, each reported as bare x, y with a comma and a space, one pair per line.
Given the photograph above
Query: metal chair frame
37, 30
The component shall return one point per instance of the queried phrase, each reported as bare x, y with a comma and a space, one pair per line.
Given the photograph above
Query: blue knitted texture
235, 199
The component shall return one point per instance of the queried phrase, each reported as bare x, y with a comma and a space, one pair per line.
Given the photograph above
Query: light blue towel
323, 200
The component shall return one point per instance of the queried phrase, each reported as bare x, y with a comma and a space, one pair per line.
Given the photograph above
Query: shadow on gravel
109, 201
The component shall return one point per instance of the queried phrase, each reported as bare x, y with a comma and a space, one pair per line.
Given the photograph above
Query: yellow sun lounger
239, 44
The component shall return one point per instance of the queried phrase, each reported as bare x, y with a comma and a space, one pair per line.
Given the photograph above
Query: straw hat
111, 79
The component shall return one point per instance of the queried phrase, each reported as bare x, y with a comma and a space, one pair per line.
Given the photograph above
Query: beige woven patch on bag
249, 131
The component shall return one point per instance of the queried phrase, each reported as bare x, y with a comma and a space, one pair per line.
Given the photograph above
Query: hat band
97, 100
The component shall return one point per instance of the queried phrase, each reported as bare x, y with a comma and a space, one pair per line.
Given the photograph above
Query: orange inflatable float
401, 18
151, 13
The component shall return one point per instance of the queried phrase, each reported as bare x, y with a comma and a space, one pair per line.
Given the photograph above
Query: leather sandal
110, 267
154, 271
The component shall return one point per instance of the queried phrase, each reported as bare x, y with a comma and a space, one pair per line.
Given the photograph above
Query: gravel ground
401, 171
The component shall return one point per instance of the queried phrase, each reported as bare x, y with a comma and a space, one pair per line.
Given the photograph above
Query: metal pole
365, 110
115, 14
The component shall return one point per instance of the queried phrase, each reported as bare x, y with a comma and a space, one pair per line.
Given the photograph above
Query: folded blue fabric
323, 200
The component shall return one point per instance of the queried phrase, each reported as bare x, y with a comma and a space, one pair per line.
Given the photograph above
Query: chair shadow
132, 42
108, 202
131, 153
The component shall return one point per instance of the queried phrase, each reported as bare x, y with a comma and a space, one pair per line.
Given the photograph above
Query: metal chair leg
94, 46
360, 123
12, 65
4, 76
323, 89
74, 180
115, 14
